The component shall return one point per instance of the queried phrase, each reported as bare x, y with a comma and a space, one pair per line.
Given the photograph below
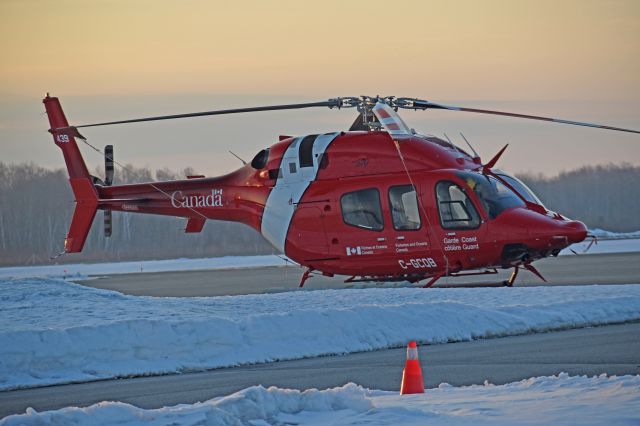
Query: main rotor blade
420, 104
331, 103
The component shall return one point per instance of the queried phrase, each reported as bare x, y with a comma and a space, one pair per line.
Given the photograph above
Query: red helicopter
378, 202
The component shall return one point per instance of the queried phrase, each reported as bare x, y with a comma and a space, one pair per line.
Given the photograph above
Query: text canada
197, 200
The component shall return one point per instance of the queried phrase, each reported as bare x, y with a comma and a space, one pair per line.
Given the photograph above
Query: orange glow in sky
115, 59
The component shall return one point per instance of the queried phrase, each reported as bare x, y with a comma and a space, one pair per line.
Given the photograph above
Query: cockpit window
493, 194
522, 189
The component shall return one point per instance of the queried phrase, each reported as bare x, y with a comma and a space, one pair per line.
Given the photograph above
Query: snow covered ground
557, 400
601, 233
82, 270
53, 331
627, 245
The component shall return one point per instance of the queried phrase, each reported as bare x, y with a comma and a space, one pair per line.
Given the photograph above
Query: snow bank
52, 331
630, 245
544, 400
80, 270
601, 233
242, 408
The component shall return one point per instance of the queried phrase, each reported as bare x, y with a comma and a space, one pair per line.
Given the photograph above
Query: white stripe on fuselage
285, 195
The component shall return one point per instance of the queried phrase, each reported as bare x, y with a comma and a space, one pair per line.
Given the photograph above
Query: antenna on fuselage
475, 154
455, 148
238, 157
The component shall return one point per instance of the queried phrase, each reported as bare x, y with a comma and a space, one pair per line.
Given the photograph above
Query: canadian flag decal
353, 250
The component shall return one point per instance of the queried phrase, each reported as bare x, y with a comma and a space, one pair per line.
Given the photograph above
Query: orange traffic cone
412, 374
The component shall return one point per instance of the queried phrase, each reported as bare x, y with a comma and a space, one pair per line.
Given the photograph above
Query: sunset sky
117, 59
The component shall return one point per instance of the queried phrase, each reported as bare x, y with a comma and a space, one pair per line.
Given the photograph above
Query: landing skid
435, 278
417, 278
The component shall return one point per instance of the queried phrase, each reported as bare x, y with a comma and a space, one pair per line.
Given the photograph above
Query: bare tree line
606, 197
35, 212
36, 205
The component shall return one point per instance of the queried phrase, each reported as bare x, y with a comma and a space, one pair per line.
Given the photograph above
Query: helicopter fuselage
361, 204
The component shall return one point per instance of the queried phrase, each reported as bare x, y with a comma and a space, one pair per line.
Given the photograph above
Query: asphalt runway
563, 270
613, 349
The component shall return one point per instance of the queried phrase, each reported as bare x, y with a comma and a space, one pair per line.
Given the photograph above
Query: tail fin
81, 182
65, 139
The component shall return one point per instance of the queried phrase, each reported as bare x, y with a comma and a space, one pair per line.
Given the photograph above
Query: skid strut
305, 277
533, 270
528, 267
512, 278
433, 280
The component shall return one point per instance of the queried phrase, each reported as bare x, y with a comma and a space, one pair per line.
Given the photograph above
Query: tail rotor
108, 181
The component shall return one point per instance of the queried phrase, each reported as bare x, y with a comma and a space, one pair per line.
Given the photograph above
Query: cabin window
455, 208
362, 209
305, 151
404, 207
292, 167
260, 160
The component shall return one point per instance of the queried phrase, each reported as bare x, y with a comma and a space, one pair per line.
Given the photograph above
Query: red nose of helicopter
563, 232
539, 235
575, 231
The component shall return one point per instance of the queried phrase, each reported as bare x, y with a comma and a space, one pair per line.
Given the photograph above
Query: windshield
493, 194
522, 189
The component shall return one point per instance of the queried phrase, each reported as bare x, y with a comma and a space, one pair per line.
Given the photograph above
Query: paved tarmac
612, 349
563, 270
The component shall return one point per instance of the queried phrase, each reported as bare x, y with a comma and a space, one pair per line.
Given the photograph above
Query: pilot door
460, 228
